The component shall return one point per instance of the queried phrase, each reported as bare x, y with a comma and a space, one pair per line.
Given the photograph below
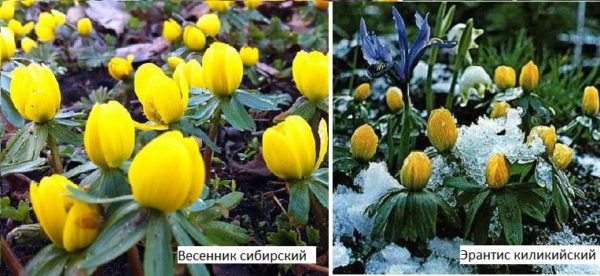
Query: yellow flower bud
191, 72
393, 98
35, 92
249, 56
496, 172
441, 129
500, 109
505, 77
361, 92
27, 44
59, 18
193, 38
7, 11
219, 5
20, 29
45, 33
69, 223
529, 77
168, 173
7, 44
47, 19
109, 135
321, 4
209, 24
562, 156
27, 3
174, 61
163, 99
222, 69
120, 68
415, 171
311, 74
289, 148
363, 143
548, 136
252, 4
171, 30
590, 102
84, 26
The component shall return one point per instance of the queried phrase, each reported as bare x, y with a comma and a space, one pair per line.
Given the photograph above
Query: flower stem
430, 97
212, 134
133, 257
406, 130
55, 155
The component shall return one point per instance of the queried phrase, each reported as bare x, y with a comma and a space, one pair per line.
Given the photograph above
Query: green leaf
215, 210
183, 239
383, 209
22, 167
560, 202
510, 217
187, 127
462, 184
228, 233
532, 204
449, 212
284, 238
26, 144
323, 106
299, 204
254, 100
85, 197
473, 209
199, 98
8, 109
320, 191
55, 266
158, 258
36, 265
313, 235
205, 111
180, 218
85, 167
395, 228
345, 164
306, 109
422, 210
64, 134
237, 115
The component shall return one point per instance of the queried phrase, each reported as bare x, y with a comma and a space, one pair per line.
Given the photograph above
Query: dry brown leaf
109, 14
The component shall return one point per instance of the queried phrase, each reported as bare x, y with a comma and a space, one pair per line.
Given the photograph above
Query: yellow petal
301, 140
143, 76
278, 154
198, 172
81, 226
149, 126
324, 142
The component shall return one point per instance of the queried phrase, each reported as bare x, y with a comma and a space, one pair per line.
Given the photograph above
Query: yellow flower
548, 136
191, 72
44, 32
174, 61
7, 44
18, 28
35, 92
59, 18
69, 223
393, 98
47, 19
171, 30
27, 44
168, 173
252, 4
562, 156
311, 74
529, 77
109, 135
27, 3
500, 109
363, 143
496, 171
219, 5
441, 129
84, 26
590, 102
120, 68
321, 4
289, 148
222, 69
209, 24
163, 99
249, 56
415, 171
505, 77
193, 38
361, 92
7, 11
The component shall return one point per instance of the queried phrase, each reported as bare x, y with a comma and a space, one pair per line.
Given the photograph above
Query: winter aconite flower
321, 4
251, 4
174, 61
193, 38
363, 143
219, 5
415, 171
27, 44
167, 173
590, 102
171, 30
529, 77
289, 148
455, 33
361, 92
500, 109
35, 92
311, 75
7, 11
222, 69
249, 56
68, 223
47, 23
109, 135
120, 68
7, 44
441, 129
548, 136
191, 72
562, 156
393, 99
505, 77
28, 3
18, 28
209, 24
496, 172
163, 99
84, 26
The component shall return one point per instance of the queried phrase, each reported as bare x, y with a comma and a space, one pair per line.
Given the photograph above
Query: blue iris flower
380, 58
